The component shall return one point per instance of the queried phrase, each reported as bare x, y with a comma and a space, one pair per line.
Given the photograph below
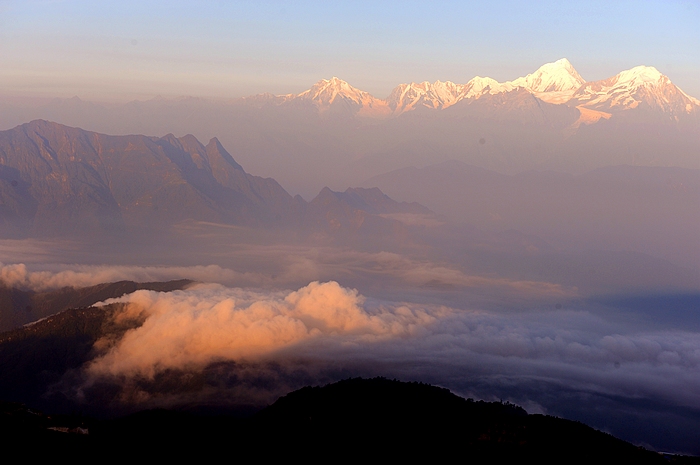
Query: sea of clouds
326, 323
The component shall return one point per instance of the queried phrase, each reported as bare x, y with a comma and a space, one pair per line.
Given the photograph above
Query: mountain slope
639, 87
19, 307
414, 421
559, 76
336, 96
351, 419
62, 180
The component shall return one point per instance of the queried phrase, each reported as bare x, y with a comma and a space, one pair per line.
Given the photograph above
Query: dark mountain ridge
381, 419
20, 306
61, 181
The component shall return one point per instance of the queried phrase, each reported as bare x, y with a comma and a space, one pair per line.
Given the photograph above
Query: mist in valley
531, 239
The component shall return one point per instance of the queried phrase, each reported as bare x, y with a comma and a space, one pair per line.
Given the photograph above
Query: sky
124, 50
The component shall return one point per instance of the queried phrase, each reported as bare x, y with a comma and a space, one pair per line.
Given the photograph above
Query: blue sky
127, 49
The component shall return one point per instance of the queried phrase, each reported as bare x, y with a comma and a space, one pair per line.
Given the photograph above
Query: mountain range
57, 180
336, 135
556, 82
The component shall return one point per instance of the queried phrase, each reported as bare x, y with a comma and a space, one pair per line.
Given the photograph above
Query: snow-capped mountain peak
439, 94
334, 91
639, 76
559, 76
630, 88
326, 91
555, 83
479, 86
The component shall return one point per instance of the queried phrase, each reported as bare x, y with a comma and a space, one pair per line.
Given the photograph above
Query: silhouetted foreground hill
355, 419
35, 356
19, 307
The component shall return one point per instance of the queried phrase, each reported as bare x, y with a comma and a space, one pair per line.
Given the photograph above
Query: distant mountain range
557, 83
57, 180
61, 181
336, 135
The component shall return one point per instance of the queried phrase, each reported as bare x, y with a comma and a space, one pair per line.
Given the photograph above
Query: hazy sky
126, 49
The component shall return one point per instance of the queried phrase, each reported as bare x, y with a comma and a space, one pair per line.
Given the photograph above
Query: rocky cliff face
60, 180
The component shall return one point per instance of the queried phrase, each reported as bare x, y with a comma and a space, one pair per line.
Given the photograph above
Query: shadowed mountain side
34, 357
62, 180
19, 307
348, 420
427, 422
641, 209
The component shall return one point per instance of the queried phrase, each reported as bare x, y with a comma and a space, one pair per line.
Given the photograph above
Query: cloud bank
327, 324
190, 329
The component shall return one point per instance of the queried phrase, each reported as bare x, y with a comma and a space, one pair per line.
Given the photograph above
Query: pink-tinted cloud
190, 329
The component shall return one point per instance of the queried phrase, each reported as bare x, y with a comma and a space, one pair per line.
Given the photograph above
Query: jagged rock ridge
57, 179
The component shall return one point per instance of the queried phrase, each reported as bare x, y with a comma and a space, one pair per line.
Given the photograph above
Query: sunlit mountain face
534, 240
339, 136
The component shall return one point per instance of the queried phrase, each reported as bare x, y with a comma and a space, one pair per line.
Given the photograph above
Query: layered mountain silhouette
57, 180
364, 216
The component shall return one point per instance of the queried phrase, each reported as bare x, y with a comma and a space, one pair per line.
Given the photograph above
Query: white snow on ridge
437, 95
556, 83
632, 87
551, 77
479, 86
640, 75
440, 95
326, 91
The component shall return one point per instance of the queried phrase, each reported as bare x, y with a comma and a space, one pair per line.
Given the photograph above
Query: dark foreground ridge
19, 307
355, 419
35, 356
